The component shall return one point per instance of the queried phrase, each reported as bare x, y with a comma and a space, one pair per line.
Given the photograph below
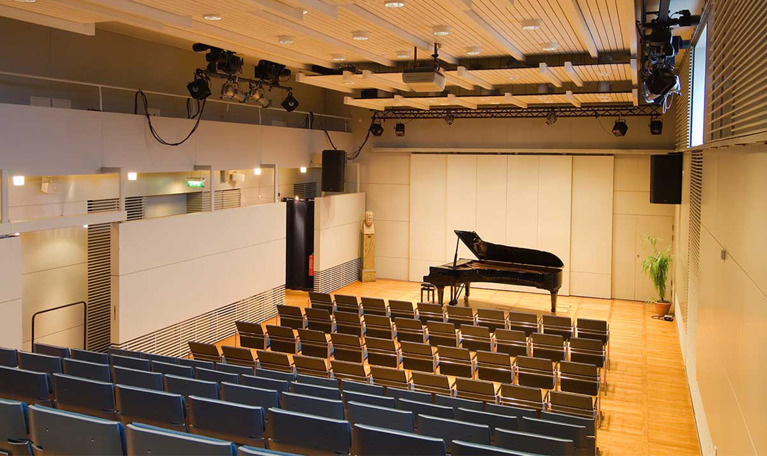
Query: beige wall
10, 293
337, 224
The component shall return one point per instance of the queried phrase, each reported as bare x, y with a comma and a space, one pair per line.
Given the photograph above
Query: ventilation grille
210, 327
103, 205
332, 279
693, 259
682, 104
738, 93
134, 206
99, 334
225, 199
305, 190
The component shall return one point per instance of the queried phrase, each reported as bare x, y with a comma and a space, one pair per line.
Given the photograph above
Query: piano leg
553, 302
468, 287
441, 294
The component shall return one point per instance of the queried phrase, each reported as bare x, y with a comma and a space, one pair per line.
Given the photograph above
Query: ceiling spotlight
399, 129
258, 95
25, 1
549, 46
656, 126
441, 30
376, 129
132, 176
620, 128
393, 4
360, 35
229, 89
551, 118
403, 54
473, 50
531, 24
286, 39
256, 171
337, 57
290, 103
449, 119
212, 17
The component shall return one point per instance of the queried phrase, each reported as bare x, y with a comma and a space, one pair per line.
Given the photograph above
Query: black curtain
300, 244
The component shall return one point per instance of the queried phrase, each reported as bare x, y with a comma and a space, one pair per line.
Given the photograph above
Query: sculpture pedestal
368, 258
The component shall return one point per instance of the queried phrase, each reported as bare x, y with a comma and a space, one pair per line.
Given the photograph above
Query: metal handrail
85, 320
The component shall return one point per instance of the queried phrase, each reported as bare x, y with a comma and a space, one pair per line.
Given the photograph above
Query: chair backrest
124, 352
51, 350
238, 423
572, 404
495, 366
318, 435
593, 329
85, 369
249, 327
456, 314
347, 347
403, 309
371, 399
62, 432
349, 370
456, 402
217, 376
252, 335
382, 352
387, 376
494, 420
320, 297
311, 336
130, 362
374, 306
9, 357
524, 321
452, 353
316, 380
291, 316
139, 378
441, 333
476, 337
26, 386
275, 374
235, 369
14, 427
410, 330
307, 389
205, 352
348, 323
269, 383
377, 440
40, 363
378, 321
554, 429
346, 300
85, 396
455, 361
430, 312
492, 318
481, 390
311, 365
282, 339
512, 342
449, 429
249, 395
171, 369
557, 324
257, 451
588, 423
536, 372
461, 448
152, 407
425, 408
238, 356
161, 358
418, 356
550, 346
533, 443
380, 416
144, 439
510, 410
89, 356
191, 387
522, 396
274, 361
194, 363
362, 387
431, 383
319, 320
590, 351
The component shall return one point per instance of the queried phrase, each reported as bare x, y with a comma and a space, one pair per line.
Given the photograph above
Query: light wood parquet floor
647, 408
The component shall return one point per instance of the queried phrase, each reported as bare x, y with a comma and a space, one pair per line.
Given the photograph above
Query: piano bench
429, 289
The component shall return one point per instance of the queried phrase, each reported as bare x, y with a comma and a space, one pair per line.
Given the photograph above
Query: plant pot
661, 308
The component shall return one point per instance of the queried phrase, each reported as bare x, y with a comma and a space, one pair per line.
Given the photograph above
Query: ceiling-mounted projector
424, 79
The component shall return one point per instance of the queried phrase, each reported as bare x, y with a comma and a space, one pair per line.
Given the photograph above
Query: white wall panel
461, 202
391, 239
491, 198
554, 210
522, 201
392, 268
337, 225
387, 201
10, 293
427, 213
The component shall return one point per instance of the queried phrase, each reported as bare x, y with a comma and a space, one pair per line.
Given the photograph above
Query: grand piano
497, 264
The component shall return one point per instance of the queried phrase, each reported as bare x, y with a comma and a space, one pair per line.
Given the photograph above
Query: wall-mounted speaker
666, 178
333, 167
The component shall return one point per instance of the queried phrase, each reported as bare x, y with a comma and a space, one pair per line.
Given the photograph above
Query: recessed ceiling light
441, 30
212, 17
132, 176
550, 46
25, 1
286, 39
360, 35
531, 24
403, 54
605, 73
473, 50
485, 98
513, 77
305, 11
349, 83
256, 171
337, 57
391, 4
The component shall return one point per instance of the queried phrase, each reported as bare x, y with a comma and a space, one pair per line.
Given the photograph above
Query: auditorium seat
209, 375
347, 303
291, 317
493, 420
286, 375
549, 346
459, 315
191, 387
349, 323
235, 369
321, 301
282, 339
557, 324
491, 318
588, 423
389, 377
376, 441
410, 330
593, 329
241, 394
425, 408
318, 435
589, 351
418, 356
461, 448
320, 320
441, 333
456, 403
402, 309
401, 393
311, 365
379, 326
61, 432
572, 404
459, 362
316, 380
275, 362
533, 443
51, 350
579, 378
308, 389
583, 445
123, 352
130, 362
374, 306
252, 335
8, 357
89, 356
275, 384
349, 370
14, 428
205, 352
196, 363
495, 366
347, 347
85, 396
238, 423
139, 378
522, 396
449, 429
85, 369
239, 356
40, 363
171, 369
524, 321
255, 451
146, 439
362, 387
26, 386
509, 410
380, 416
478, 390
161, 358
428, 311
382, 352
314, 343
512, 342
432, 383
537, 372
476, 337
157, 408
380, 401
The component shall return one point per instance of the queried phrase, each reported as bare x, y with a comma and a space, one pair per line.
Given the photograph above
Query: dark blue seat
14, 428
26, 386
239, 423
509, 410
588, 423
249, 395
460, 448
85, 396
317, 435
61, 432
89, 356
146, 439
8, 357
51, 350
191, 387
215, 376
375, 441
131, 362
533, 443
359, 387
275, 374
317, 381
86, 369
140, 378
40, 363
173, 369
316, 391
197, 363
281, 386
234, 369
450, 429
422, 408
251, 451
494, 420
311, 405
157, 408
381, 401
457, 402
161, 358
123, 352
416, 396
559, 430
373, 415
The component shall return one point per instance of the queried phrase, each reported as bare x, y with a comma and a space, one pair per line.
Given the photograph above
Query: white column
4, 201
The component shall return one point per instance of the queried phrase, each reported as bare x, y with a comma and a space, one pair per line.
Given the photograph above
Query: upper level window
698, 90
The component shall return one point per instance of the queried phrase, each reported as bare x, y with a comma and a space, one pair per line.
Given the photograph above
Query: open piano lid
486, 251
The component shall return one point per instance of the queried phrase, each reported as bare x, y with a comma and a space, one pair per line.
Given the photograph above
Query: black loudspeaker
666, 178
333, 166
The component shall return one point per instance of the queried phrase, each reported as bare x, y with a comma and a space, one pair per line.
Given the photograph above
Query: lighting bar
496, 112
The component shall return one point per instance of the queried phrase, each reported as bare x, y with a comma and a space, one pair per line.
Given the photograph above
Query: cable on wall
200, 108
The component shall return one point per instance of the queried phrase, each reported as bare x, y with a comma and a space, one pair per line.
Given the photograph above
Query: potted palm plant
656, 266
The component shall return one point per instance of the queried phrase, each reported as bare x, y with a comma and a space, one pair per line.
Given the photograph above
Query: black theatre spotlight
229, 89
376, 129
620, 128
399, 129
551, 118
290, 103
656, 126
449, 119
199, 89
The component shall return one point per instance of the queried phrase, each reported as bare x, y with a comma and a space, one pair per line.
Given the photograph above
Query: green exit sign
195, 183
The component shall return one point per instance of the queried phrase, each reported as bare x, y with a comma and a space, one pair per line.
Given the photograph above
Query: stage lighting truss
517, 113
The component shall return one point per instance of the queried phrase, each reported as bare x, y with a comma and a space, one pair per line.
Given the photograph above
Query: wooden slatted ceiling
58, 11
602, 19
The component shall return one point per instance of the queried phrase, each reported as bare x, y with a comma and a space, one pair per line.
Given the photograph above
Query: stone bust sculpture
367, 225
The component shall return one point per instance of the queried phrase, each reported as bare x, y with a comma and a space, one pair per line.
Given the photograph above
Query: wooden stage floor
647, 408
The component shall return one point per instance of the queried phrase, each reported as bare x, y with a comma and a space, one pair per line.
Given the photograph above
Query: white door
630, 249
